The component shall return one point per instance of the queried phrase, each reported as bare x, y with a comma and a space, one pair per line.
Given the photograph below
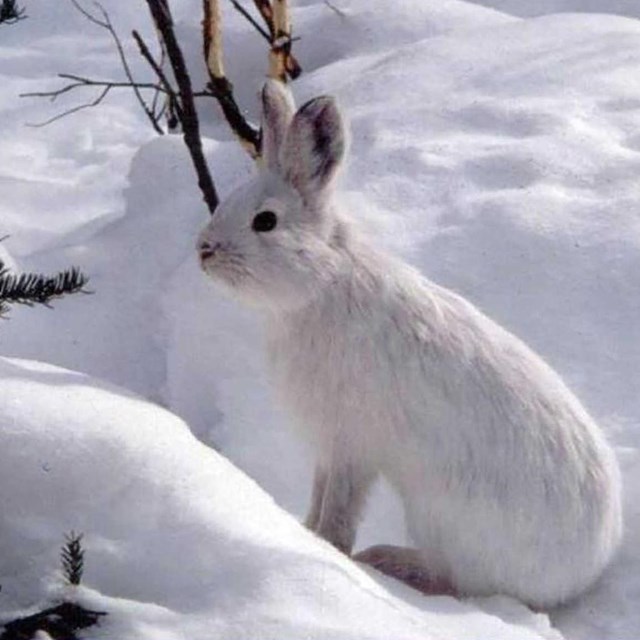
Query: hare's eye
264, 221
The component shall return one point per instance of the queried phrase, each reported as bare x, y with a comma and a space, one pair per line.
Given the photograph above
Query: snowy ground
495, 144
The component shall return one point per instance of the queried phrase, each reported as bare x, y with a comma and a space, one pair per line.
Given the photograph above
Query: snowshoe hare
508, 485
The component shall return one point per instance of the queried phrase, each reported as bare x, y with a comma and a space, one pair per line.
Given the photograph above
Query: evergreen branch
72, 558
34, 288
10, 12
60, 622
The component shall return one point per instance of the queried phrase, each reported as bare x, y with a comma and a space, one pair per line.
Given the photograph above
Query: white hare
508, 485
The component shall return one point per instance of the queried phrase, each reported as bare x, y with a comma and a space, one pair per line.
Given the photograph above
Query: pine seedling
72, 558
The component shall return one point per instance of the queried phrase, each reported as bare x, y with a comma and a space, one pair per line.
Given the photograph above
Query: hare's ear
277, 113
313, 147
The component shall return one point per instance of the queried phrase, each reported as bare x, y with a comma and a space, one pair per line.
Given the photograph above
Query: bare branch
265, 10
335, 9
282, 62
251, 19
219, 85
79, 82
212, 38
249, 137
107, 86
281, 42
68, 112
163, 20
168, 108
106, 23
89, 16
165, 84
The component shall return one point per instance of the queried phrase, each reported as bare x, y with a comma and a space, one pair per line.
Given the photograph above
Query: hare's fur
507, 483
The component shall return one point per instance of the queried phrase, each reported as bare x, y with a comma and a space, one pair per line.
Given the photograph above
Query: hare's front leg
338, 501
317, 495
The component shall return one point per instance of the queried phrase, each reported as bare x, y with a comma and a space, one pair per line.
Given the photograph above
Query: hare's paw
406, 565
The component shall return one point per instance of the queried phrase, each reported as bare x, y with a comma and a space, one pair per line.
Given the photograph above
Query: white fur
508, 485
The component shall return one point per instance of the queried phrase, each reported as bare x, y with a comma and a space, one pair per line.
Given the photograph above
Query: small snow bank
117, 332
170, 522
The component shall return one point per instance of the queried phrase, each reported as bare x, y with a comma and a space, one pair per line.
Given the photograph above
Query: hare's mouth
228, 268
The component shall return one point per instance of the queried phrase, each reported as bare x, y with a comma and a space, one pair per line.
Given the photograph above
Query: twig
335, 9
266, 11
282, 62
251, 19
157, 68
163, 20
106, 23
222, 90
220, 86
103, 94
80, 81
168, 106
106, 86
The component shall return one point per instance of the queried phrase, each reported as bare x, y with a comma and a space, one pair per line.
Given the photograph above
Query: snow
182, 544
495, 145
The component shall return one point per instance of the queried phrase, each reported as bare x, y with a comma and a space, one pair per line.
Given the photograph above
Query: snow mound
170, 522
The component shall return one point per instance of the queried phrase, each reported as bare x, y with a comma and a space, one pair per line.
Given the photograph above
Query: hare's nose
207, 249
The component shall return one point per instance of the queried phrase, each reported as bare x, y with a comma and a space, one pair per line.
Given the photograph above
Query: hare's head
273, 241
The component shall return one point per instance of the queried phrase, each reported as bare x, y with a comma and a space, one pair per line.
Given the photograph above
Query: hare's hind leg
406, 565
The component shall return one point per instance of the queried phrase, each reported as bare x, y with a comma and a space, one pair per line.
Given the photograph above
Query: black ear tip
317, 105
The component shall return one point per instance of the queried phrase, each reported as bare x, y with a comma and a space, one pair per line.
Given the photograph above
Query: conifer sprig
72, 558
10, 12
34, 288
